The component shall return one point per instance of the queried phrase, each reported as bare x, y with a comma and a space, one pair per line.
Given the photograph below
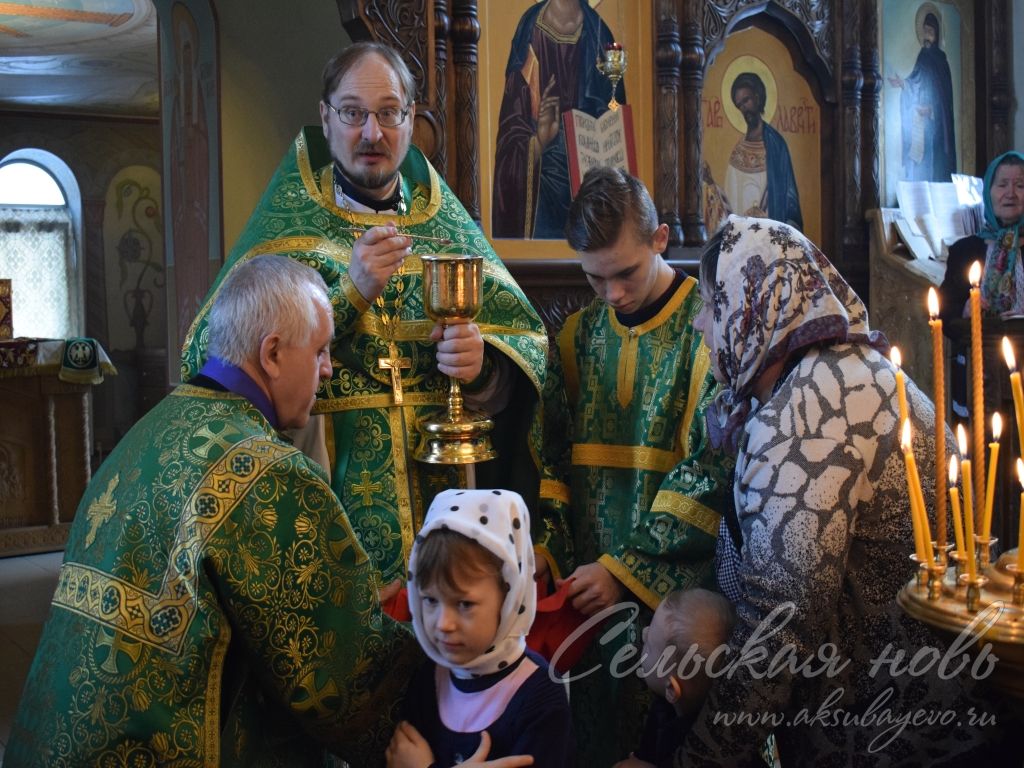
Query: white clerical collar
347, 196
344, 201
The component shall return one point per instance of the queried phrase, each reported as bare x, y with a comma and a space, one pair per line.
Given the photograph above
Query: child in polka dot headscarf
483, 695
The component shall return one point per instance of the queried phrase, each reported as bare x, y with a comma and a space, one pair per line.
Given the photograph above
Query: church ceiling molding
79, 56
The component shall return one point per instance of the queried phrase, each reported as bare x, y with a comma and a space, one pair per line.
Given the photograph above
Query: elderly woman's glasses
389, 117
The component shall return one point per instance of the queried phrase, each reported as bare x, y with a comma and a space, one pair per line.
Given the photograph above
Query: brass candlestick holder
958, 564
612, 64
982, 605
985, 546
990, 607
453, 289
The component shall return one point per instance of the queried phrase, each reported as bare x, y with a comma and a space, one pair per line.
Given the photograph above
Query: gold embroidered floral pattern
369, 428
234, 556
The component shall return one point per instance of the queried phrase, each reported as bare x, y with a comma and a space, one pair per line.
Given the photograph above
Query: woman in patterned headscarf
822, 533
997, 247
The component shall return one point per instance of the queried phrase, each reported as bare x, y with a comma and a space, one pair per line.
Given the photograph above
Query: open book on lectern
937, 214
594, 141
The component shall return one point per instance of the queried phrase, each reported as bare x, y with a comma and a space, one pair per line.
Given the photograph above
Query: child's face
463, 622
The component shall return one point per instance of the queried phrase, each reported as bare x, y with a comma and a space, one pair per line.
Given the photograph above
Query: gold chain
391, 359
390, 321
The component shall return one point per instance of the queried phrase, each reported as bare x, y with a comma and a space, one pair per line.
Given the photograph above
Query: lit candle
990, 486
965, 471
901, 387
939, 372
977, 388
954, 502
1020, 530
1018, 396
918, 515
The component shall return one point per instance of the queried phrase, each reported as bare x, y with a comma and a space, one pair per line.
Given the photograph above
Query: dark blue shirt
536, 721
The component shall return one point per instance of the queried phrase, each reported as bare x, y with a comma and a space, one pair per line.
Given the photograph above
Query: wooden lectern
45, 445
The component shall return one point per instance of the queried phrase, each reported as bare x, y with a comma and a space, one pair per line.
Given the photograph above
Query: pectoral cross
396, 365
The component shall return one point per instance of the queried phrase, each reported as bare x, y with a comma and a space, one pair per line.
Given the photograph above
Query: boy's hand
594, 589
408, 749
478, 758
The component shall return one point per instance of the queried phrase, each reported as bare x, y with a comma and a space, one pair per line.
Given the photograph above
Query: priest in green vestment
354, 199
644, 487
214, 607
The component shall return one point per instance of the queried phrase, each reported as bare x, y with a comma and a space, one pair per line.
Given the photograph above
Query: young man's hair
345, 59
447, 559
607, 198
753, 82
264, 295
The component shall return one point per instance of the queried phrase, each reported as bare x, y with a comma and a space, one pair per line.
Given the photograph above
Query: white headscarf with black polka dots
499, 521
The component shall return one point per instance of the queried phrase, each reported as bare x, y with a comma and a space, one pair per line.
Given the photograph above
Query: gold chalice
453, 289
612, 64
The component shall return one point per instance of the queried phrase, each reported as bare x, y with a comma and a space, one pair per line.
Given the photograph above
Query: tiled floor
26, 586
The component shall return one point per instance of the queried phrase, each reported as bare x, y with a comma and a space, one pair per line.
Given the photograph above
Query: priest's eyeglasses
389, 117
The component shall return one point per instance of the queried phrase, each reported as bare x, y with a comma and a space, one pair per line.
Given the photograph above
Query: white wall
272, 53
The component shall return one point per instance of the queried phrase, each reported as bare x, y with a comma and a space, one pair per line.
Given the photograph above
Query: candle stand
993, 602
989, 605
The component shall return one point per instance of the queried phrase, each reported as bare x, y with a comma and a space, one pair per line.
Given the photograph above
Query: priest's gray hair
261, 296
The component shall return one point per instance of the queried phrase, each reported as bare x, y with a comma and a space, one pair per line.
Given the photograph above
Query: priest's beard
371, 180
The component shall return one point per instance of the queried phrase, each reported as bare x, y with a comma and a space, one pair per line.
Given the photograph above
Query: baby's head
471, 591
696, 619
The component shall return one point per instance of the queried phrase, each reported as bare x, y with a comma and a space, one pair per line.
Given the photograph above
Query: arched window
40, 211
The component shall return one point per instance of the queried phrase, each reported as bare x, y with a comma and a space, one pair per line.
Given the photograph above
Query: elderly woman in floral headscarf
997, 247
822, 532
